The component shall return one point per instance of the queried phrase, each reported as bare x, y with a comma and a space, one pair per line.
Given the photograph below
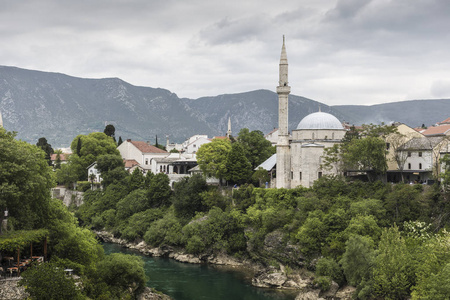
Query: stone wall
67, 196
9, 289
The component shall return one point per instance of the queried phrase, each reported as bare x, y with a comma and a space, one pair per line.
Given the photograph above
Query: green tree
393, 272
47, 148
260, 177
255, 146
332, 159
136, 180
25, 182
357, 263
66, 175
159, 191
312, 235
123, 273
110, 130
49, 281
212, 158
237, 166
329, 267
78, 148
445, 175
366, 154
58, 159
120, 141
111, 168
87, 149
187, 196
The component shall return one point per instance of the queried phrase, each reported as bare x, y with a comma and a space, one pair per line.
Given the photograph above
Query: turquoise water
184, 281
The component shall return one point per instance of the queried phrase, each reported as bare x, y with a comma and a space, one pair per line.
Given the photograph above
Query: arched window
420, 166
409, 166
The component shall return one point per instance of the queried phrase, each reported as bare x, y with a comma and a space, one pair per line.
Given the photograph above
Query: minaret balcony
283, 89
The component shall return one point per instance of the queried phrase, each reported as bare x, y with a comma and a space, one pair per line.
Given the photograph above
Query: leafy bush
164, 231
83, 186
329, 267
124, 274
48, 281
324, 282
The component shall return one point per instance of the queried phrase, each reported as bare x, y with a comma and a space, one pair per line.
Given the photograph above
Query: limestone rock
269, 280
309, 295
10, 290
187, 258
222, 259
331, 293
149, 294
345, 293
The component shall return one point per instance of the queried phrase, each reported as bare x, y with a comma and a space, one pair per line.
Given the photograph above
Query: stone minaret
229, 128
283, 148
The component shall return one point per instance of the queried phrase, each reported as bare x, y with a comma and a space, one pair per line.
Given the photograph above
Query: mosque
299, 156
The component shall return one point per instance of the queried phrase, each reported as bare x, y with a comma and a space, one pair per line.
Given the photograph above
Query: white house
194, 145
140, 152
93, 172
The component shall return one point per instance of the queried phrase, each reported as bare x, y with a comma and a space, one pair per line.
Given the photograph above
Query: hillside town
313, 210
413, 154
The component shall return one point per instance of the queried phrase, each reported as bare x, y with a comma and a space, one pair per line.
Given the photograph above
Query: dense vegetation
389, 241
25, 182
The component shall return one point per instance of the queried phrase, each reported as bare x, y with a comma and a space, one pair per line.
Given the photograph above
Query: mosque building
299, 156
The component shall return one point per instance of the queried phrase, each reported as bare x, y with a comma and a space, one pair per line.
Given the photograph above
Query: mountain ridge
59, 107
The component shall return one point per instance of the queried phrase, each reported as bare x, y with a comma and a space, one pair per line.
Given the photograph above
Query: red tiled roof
220, 137
275, 129
146, 148
61, 156
129, 163
446, 121
442, 129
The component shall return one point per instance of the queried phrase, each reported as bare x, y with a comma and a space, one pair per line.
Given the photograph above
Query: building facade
299, 156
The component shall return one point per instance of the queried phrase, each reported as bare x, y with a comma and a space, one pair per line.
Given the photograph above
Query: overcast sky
339, 51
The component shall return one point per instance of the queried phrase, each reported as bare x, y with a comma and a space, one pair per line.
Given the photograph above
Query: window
388, 145
320, 174
300, 176
146, 161
420, 166
332, 136
420, 154
292, 175
409, 153
312, 137
409, 166
195, 146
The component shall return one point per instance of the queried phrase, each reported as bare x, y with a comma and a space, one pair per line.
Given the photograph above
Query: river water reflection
184, 281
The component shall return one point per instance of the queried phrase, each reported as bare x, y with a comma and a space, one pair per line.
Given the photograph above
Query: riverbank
264, 277
9, 289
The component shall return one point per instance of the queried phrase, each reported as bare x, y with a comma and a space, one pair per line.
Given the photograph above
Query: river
183, 281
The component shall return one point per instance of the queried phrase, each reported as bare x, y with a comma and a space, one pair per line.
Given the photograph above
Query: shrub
329, 267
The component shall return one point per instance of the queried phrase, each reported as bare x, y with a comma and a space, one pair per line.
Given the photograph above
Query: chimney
129, 140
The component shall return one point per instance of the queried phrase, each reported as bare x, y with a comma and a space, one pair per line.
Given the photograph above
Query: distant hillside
413, 113
56, 106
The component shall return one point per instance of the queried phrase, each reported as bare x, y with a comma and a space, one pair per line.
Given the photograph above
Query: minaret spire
283, 147
229, 127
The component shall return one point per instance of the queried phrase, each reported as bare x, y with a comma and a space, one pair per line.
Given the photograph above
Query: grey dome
320, 120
